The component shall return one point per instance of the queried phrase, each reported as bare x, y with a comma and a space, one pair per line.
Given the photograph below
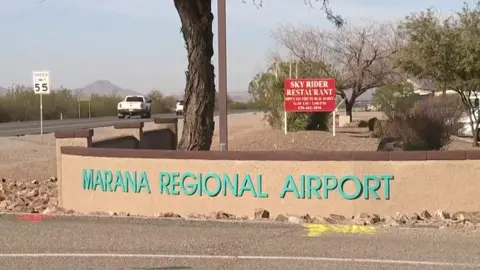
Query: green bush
395, 99
273, 107
267, 91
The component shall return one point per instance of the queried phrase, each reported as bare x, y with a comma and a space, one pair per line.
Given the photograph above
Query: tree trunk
349, 108
198, 125
476, 135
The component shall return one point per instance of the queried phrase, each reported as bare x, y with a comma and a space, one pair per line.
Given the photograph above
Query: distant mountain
3, 90
104, 87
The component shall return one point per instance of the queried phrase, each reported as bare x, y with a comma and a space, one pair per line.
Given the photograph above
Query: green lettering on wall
260, 192
302, 187
371, 190
218, 184
98, 181
358, 187
107, 180
313, 185
131, 182
330, 183
163, 182
200, 185
386, 178
289, 186
144, 183
187, 188
174, 183
119, 182
247, 185
87, 176
229, 184
213, 184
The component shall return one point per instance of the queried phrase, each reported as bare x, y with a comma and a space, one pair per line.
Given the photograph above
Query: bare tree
304, 42
364, 56
360, 57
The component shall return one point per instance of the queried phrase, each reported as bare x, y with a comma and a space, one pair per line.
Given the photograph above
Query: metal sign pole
333, 122
335, 116
285, 115
41, 116
41, 86
222, 74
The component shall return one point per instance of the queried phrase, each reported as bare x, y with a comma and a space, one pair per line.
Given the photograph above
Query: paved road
127, 243
33, 127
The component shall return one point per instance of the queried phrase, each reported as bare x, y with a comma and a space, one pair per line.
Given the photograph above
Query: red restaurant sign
309, 95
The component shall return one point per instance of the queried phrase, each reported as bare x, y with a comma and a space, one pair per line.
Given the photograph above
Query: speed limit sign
41, 82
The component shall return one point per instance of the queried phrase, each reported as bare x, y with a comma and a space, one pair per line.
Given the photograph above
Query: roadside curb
309, 229
34, 217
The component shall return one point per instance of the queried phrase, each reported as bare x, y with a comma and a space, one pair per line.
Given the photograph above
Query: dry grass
28, 158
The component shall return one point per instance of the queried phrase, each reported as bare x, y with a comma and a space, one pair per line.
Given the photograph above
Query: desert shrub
380, 128
427, 126
389, 144
371, 123
363, 124
247, 105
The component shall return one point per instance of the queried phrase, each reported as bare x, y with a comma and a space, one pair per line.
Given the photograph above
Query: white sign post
335, 116
41, 86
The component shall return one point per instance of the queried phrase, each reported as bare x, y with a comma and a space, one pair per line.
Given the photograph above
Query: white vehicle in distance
133, 106
370, 108
465, 126
179, 108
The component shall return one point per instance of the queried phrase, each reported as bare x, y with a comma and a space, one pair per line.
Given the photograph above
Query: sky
137, 44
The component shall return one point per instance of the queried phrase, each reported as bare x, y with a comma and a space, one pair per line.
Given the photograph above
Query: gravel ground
27, 158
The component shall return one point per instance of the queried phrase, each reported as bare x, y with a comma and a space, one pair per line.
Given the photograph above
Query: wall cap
172, 120
127, 125
274, 155
81, 133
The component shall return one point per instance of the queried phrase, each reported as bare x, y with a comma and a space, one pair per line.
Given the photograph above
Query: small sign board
309, 95
41, 82
83, 96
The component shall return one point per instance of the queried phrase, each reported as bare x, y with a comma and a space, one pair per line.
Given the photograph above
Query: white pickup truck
179, 107
134, 105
